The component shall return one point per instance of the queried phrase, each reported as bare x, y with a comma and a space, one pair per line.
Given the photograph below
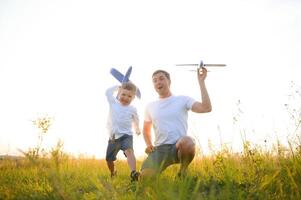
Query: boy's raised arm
136, 124
109, 93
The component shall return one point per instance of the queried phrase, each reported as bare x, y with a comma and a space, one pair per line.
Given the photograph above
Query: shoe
113, 174
134, 176
181, 175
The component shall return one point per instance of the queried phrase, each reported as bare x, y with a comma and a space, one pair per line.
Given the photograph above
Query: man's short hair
129, 86
162, 71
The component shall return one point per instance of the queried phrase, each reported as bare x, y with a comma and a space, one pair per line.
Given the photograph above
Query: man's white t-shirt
169, 117
121, 118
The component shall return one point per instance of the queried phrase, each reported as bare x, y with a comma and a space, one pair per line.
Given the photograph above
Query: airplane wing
126, 78
118, 75
121, 78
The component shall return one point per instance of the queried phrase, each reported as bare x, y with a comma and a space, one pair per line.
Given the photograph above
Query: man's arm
205, 105
147, 126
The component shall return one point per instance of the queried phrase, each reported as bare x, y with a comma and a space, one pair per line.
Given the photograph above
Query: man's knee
147, 174
186, 145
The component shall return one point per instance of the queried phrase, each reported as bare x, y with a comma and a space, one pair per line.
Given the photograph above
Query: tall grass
251, 174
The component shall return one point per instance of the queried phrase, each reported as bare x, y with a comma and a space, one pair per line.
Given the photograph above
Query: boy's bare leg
186, 152
132, 164
111, 167
131, 159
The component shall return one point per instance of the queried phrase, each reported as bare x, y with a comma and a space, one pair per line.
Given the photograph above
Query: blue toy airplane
124, 78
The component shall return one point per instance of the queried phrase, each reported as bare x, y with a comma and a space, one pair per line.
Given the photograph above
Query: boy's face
126, 96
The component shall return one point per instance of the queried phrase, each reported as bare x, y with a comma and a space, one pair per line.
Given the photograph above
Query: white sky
55, 58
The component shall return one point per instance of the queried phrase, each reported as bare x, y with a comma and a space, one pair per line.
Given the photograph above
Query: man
168, 117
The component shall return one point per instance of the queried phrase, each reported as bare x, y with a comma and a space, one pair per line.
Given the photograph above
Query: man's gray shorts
162, 157
123, 143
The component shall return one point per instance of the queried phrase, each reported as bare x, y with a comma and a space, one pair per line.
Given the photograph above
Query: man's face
161, 83
126, 96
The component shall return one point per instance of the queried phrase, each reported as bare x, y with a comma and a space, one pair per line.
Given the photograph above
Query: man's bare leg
147, 174
186, 152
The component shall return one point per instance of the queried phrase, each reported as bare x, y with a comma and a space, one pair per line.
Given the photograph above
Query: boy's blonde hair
129, 86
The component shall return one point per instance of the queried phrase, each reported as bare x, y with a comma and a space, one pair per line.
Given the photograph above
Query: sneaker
134, 176
181, 175
113, 174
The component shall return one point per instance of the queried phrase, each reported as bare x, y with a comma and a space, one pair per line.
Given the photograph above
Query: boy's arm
109, 93
136, 123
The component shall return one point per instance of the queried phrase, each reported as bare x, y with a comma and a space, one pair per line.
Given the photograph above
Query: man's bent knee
186, 145
147, 173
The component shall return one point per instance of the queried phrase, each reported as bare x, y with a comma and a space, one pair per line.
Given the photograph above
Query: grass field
251, 174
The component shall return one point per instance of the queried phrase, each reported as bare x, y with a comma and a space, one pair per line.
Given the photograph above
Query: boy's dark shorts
123, 143
162, 157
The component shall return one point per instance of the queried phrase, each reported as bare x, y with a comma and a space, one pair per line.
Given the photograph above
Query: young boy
122, 116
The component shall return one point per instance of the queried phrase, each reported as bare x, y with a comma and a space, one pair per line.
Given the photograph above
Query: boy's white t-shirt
121, 118
169, 117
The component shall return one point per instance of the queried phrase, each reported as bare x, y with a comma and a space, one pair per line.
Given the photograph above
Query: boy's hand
138, 133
